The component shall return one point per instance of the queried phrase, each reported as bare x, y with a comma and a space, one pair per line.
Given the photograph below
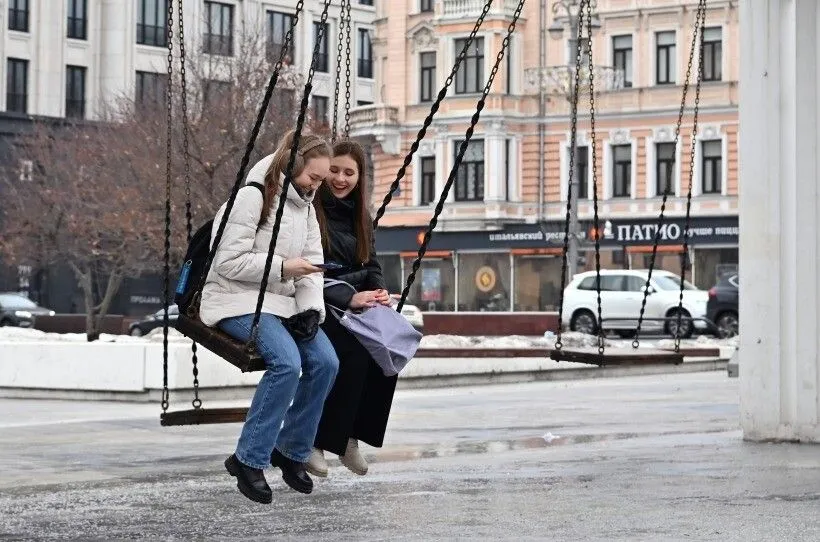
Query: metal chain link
197, 402
428, 235
595, 218
240, 174
288, 174
700, 13
684, 257
339, 46
168, 170
573, 140
348, 24
429, 119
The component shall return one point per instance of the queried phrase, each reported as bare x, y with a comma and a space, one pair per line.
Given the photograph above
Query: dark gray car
18, 310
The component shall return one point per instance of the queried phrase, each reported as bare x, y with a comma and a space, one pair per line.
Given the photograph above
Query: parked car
411, 312
622, 293
722, 308
18, 310
153, 321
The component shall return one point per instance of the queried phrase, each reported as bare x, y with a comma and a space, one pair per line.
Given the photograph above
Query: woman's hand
298, 267
363, 300
383, 297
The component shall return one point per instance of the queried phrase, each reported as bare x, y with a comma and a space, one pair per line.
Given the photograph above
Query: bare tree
96, 200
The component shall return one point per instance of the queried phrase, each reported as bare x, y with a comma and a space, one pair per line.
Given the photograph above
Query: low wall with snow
31, 360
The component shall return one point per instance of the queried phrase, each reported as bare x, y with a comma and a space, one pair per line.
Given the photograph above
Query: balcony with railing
471, 9
379, 123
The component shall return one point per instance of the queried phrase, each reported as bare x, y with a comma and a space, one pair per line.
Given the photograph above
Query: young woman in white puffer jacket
290, 340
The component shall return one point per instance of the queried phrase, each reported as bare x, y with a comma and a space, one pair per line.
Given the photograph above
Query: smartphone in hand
329, 266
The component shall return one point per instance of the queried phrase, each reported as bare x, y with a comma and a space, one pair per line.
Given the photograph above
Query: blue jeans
281, 384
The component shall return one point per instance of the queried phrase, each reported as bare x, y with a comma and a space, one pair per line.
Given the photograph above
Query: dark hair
310, 146
362, 223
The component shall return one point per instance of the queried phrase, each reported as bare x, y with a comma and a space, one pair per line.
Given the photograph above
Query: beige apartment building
498, 242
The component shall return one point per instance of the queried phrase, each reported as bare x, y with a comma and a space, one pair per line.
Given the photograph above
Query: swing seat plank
202, 416
617, 356
224, 346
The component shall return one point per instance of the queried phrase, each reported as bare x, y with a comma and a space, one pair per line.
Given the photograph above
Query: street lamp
560, 78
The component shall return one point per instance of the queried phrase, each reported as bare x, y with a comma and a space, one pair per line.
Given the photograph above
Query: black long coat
359, 404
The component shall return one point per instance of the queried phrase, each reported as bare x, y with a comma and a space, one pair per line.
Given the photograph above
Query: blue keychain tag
182, 282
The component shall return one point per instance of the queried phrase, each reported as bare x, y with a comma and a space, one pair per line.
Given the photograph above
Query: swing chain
339, 46
348, 24
288, 179
595, 218
429, 119
428, 234
167, 245
685, 255
700, 20
197, 402
573, 134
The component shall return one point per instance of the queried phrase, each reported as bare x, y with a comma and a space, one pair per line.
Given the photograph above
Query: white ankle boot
353, 458
317, 465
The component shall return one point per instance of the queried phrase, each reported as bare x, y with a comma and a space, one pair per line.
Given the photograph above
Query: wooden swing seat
202, 416
234, 352
618, 356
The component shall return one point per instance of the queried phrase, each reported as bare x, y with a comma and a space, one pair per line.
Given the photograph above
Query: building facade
71, 58
499, 239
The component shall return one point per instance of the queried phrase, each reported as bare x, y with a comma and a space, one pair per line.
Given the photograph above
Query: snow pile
19, 334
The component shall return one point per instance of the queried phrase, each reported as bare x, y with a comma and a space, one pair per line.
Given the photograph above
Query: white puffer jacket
233, 282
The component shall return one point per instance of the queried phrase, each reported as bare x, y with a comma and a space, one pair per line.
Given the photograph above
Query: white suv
622, 292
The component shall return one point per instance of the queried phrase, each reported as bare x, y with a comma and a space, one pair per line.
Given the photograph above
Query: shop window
392, 272
711, 263
435, 286
484, 282
537, 283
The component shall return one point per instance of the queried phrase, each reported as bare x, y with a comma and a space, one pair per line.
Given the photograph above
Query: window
361, 103
77, 19
323, 60
428, 180
278, 26
484, 282
582, 167
75, 92
17, 86
425, 6
365, 54
470, 176
18, 15
152, 18
470, 75
215, 92
427, 61
622, 57
712, 166
572, 52
609, 283
151, 89
664, 168
320, 109
712, 54
621, 171
634, 284
366, 2
218, 37
665, 66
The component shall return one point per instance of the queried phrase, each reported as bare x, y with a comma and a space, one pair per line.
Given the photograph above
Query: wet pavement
642, 458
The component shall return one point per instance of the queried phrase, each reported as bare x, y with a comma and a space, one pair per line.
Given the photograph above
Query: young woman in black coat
358, 406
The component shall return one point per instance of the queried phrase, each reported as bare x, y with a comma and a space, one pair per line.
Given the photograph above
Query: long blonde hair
310, 146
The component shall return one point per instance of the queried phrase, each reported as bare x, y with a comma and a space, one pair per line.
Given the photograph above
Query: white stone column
494, 162
779, 205
116, 61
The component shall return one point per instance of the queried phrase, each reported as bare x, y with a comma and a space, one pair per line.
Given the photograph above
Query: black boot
293, 472
251, 482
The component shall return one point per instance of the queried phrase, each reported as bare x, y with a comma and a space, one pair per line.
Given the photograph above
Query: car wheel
584, 321
727, 324
5, 322
687, 327
136, 332
626, 333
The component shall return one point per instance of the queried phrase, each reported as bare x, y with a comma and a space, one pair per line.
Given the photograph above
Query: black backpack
194, 265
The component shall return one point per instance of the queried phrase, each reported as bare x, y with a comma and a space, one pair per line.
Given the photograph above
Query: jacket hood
295, 194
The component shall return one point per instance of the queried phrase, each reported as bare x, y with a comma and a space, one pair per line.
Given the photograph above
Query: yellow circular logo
485, 279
